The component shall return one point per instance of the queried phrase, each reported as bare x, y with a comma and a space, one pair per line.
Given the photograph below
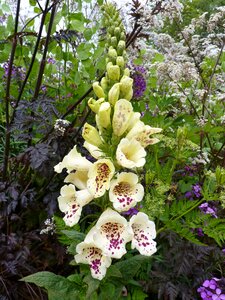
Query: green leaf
6, 8
83, 51
74, 235
113, 271
32, 2
58, 287
92, 283
77, 25
130, 266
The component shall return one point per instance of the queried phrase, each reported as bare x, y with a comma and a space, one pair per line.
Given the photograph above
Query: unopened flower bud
98, 90
103, 115
126, 72
120, 61
121, 47
91, 135
112, 52
117, 32
114, 72
114, 93
123, 111
123, 36
104, 83
126, 84
128, 96
113, 42
94, 105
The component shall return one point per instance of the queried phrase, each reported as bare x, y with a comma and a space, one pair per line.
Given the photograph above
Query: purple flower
188, 195
139, 85
218, 295
131, 212
196, 188
51, 60
208, 208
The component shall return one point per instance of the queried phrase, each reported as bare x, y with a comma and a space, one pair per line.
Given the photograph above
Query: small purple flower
212, 289
196, 188
208, 208
188, 195
51, 60
131, 212
218, 295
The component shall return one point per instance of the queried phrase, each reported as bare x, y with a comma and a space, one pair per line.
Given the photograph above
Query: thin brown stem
7, 95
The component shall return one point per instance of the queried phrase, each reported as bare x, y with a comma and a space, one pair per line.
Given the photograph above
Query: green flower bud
128, 96
91, 135
94, 105
126, 84
114, 72
117, 32
123, 36
120, 61
112, 53
121, 46
126, 72
114, 93
98, 90
111, 29
113, 41
104, 83
103, 116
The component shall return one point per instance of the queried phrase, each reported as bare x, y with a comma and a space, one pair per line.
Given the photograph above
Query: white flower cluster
50, 227
118, 143
201, 158
60, 126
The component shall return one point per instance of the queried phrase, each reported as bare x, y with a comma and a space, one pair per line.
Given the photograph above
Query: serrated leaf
130, 266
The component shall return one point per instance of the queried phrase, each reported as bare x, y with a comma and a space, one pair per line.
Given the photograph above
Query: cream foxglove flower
91, 135
93, 150
98, 90
95, 104
130, 154
141, 133
89, 253
122, 112
144, 233
73, 161
113, 94
135, 117
100, 174
71, 203
125, 191
112, 233
78, 178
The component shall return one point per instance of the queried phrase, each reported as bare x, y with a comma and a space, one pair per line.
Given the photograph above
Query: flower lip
143, 234
125, 191
112, 233
99, 176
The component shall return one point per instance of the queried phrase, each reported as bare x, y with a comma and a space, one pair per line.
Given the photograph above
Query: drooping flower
143, 234
122, 112
73, 161
112, 233
89, 253
125, 191
78, 178
130, 154
141, 133
91, 135
100, 174
71, 202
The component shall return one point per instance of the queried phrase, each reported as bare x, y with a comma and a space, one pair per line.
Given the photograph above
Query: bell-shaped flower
78, 178
141, 133
100, 174
130, 154
89, 253
122, 112
112, 233
103, 115
143, 234
126, 87
125, 191
73, 161
93, 150
91, 135
71, 202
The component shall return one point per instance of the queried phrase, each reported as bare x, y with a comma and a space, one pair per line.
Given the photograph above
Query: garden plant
112, 153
